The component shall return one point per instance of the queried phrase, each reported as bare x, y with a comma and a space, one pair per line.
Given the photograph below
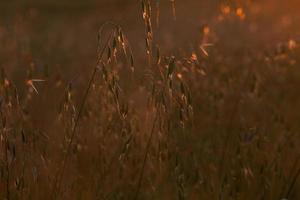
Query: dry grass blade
200, 103
139, 183
58, 179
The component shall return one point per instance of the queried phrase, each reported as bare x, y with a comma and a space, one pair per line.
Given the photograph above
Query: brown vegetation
149, 100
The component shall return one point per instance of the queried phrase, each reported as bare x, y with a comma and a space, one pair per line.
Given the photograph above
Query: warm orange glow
225, 10
179, 76
292, 44
6, 82
194, 57
240, 13
206, 30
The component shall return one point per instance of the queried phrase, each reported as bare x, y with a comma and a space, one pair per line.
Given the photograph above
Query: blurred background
61, 36
42, 28
249, 70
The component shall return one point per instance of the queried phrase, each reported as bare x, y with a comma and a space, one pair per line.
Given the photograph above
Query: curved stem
60, 174
145, 159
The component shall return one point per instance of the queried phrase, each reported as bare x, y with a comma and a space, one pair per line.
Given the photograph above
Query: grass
140, 114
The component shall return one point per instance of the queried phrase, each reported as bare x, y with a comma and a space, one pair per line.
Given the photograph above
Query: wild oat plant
137, 113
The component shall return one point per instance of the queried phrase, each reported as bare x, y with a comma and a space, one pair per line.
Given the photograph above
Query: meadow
178, 99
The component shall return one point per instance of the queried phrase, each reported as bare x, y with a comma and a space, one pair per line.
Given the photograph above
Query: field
149, 99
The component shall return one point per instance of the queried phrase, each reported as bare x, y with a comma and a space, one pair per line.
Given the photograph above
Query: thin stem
73, 133
294, 180
7, 181
58, 181
229, 136
145, 159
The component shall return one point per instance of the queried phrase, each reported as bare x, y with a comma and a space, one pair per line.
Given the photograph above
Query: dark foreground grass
139, 114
